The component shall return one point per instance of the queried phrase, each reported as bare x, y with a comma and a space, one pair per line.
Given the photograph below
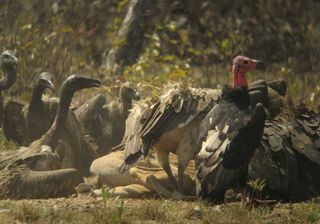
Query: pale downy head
7, 59
128, 91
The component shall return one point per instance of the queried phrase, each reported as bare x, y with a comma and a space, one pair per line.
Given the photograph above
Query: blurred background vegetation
196, 40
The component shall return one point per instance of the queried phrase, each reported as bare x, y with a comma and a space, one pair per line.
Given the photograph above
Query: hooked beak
136, 96
94, 83
15, 59
259, 65
50, 85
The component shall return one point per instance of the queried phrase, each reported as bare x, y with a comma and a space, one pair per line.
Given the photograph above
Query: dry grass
75, 210
63, 46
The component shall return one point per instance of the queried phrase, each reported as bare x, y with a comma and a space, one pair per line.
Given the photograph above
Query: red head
241, 65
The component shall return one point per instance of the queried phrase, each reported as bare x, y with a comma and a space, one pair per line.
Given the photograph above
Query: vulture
270, 94
169, 125
172, 125
131, 139
8, 63
288, 157
65, 135
105, 122
38, 171
229, 135
25, 123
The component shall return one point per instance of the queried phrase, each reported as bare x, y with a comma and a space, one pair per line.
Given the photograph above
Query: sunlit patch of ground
88, 210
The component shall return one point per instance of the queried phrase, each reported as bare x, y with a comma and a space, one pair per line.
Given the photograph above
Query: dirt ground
115, 210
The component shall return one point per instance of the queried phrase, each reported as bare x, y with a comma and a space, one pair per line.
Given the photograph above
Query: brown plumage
25, 123
138, 116
170, 125
270, 94
8, 64
42, 164
65, 135
105, 122
288, 157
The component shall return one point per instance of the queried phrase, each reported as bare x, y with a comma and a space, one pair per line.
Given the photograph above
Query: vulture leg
181, 168
163, 159
185, 153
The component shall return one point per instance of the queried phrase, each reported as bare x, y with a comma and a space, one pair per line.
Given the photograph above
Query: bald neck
239, 79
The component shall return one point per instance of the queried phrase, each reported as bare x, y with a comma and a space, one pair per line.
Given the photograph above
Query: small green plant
118, 216
257, 187
106, 194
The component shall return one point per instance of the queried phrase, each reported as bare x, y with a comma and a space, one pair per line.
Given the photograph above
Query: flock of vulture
235, 135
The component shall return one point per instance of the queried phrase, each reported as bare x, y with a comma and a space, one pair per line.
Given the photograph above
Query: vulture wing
176, 108
90, 110
289, 173
229, 137
306, 135
90, 115
136, 119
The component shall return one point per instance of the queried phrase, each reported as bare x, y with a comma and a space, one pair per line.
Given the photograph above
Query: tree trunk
141, 18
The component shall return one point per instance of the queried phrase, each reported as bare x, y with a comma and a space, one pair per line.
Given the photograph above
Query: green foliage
277, 31
117, 217
257, 184
106, 194
194, 41
65, 37
257, 187
5, 144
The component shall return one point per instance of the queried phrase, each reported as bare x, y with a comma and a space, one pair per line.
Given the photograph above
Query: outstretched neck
61, 116
239, 77
9, 77
125, 103
36, 97
126, 106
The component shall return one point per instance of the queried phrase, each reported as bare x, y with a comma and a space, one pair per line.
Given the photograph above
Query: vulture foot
165, 193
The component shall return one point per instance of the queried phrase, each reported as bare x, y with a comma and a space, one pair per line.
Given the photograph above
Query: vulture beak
86, 82
259, 65
15, 59
75, 82
136, 96
50, 85
95, 83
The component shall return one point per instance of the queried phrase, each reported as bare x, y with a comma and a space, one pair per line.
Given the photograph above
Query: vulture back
177, 107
